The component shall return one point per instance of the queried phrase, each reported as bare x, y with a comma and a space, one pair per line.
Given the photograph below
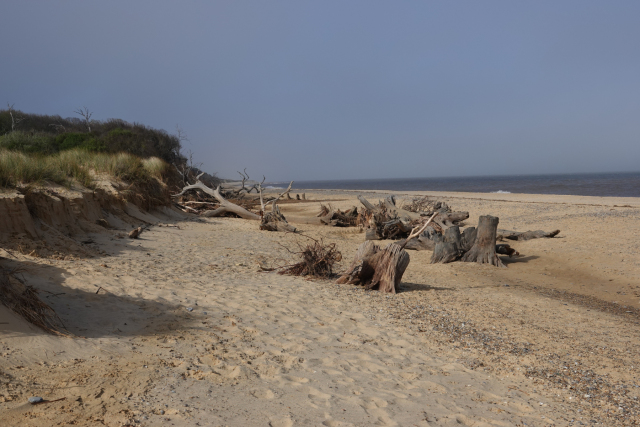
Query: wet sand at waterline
180, 327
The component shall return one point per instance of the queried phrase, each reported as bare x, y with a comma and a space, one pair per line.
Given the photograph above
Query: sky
302, 90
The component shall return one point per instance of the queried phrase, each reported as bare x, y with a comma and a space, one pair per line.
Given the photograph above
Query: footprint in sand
263, 394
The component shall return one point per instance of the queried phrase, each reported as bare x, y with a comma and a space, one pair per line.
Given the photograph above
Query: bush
29, 142
52, 134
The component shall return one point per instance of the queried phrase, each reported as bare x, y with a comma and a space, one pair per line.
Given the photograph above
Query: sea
625, 184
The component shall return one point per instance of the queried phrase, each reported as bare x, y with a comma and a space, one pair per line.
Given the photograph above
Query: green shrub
29, 142
41, 134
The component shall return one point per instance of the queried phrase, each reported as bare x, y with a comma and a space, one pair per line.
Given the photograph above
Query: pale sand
456, 347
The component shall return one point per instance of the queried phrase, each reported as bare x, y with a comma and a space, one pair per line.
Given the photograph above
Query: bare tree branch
15, 120
86, 114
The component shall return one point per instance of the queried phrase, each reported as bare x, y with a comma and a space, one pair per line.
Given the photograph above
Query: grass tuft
143, 178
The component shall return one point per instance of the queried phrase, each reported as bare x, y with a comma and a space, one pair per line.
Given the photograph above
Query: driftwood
483, 250
133, 234
274, 220
389, 221
225, 206
468, 238
381, 269
315, 259
427, 240
525, 235
338, 218
449, 249
504, 249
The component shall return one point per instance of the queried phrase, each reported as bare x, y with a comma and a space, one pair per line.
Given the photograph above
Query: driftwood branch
225, 205
417, 233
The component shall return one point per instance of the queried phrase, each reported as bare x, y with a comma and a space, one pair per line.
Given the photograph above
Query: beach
182, 327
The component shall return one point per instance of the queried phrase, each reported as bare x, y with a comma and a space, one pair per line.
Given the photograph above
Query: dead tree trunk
449, 249
225, 205
525, 235
426, 241
367, 204
376, 268
483, 250
381, 269
467, 239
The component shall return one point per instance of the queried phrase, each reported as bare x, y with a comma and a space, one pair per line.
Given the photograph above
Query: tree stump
483, 250
449, 249
426, 241
376, 268
467, 239
275, 221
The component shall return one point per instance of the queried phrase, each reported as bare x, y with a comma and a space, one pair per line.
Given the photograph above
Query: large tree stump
484, 247
467, 239
354, 272
449, 249
376, 268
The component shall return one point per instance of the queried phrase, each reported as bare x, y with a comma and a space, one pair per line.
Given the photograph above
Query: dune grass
77, 166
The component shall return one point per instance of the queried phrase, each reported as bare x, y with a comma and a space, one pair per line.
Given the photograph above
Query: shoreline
613, 201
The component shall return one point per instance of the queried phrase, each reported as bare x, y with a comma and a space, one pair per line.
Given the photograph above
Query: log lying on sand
525, 235
225, 206
483, 250
337, 218
381, 269
504, 249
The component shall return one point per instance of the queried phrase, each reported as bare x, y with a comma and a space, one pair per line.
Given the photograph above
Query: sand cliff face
53, 220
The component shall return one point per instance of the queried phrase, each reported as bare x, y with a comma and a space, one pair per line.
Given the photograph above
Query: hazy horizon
336, 91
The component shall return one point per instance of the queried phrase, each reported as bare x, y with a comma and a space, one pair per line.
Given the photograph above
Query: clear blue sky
345, 89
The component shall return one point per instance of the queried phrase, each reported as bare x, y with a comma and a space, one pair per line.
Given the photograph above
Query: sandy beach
181, 327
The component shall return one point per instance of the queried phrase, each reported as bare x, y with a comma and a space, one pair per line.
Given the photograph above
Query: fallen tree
273, 220
226, 207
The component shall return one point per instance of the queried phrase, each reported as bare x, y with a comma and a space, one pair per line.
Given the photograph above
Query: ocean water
601, 184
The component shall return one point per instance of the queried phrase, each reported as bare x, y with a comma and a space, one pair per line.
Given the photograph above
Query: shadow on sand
413, 287
91, 314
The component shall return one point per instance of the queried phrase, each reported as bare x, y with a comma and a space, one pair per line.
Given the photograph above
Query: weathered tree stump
467, 239
449, 249
483, 250
275, 221
354, 272
376, 268
424, 242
